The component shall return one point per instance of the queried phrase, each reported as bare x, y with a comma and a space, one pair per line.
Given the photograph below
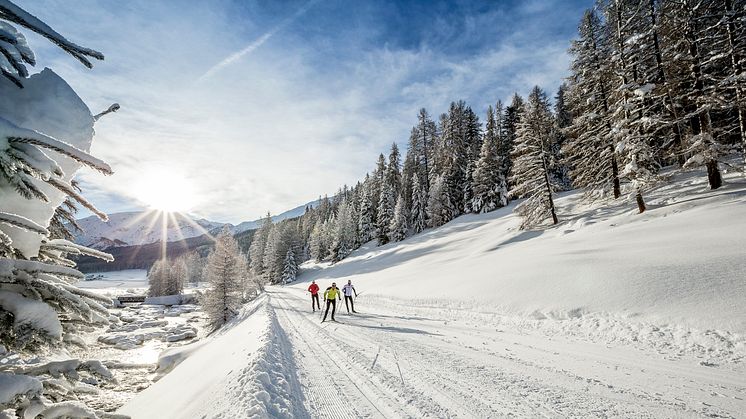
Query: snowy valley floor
610, 314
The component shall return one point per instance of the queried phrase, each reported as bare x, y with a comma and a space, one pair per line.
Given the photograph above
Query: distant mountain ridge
145, 227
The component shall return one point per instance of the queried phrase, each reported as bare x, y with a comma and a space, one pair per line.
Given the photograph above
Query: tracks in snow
382, 366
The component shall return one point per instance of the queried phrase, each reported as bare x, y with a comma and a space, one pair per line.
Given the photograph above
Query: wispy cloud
309, 111
258, 42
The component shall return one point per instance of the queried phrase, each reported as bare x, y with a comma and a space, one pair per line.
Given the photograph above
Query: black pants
315, 297
332, 303
352, 304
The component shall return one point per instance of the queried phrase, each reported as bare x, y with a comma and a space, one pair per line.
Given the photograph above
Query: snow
31, 313
130, 281
48, 105
610, 314
246, 370
13, 386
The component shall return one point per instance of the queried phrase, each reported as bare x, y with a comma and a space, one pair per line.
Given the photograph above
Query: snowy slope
135, 228
682, 261
610, 314
247, 370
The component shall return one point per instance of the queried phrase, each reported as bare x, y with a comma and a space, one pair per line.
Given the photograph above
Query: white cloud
271, 132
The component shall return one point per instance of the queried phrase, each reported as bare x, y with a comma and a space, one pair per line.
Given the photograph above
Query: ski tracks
380, 366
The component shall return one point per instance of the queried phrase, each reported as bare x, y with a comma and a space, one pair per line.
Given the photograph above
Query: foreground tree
531, 161
490, 189
225, 270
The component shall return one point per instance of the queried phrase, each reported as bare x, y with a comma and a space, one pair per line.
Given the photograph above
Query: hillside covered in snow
609, 314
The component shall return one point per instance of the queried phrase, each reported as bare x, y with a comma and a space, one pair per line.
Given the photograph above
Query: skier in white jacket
347, 290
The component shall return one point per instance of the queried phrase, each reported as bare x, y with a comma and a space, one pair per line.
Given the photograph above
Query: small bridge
131, 299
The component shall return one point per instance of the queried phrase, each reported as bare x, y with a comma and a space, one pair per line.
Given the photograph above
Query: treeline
652, 83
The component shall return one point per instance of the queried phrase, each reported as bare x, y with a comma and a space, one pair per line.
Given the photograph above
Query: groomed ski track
386, 362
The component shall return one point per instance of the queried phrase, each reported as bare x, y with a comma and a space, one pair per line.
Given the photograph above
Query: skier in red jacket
314, 290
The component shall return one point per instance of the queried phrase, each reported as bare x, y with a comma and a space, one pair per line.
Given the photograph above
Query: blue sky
265, 105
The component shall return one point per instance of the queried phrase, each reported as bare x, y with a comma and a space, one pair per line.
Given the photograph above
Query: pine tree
508, 127
345, 231
225, 270
290, 267
490, 189
530, 163
419, 215
399, 228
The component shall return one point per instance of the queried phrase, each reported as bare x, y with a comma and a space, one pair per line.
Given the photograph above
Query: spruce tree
290, 267
531, 161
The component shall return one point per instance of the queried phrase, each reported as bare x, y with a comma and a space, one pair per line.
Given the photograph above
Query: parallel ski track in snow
403, 372
325, 361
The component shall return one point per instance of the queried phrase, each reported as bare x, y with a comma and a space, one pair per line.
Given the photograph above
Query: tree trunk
549, 190
640, 202
713, 174
615, 174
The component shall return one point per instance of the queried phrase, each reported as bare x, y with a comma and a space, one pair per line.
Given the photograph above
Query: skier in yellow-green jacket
330, 296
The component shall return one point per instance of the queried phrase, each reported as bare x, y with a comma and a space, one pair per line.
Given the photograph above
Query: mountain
138, 228
144, 227
295, 212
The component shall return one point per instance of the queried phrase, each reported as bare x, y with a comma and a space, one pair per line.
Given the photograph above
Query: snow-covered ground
610, 314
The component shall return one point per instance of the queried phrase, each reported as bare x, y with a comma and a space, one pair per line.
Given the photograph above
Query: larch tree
531, 161
225, 270
592, 147
290, 267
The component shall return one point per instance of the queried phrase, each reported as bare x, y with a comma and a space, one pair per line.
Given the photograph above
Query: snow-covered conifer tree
489, 190
385, 212
290, 267
530, 162
439, 207
225, 270
366, 228
419, 215
508, 129
258, 244
399, 227
156, 278
591, 146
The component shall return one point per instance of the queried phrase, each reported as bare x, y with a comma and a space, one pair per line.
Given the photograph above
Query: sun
164, 190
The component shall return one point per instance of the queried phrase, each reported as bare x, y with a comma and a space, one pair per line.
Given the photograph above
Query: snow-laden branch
22, 222
13, 13
70, 247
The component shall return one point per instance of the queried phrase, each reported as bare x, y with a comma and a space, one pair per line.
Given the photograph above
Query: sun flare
165, 191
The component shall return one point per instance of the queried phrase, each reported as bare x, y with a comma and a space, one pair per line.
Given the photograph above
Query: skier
347, 290
330, 297
314, 290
